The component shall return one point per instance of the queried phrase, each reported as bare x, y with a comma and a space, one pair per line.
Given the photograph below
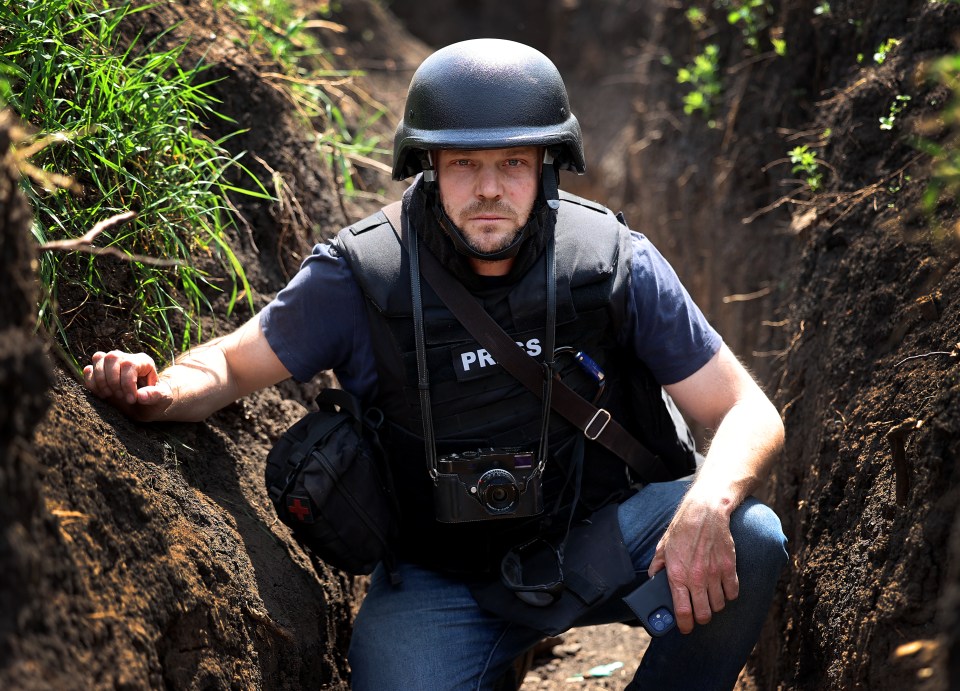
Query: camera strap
597, 424
423, 374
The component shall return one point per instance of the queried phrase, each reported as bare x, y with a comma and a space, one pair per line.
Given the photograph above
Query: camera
488, 483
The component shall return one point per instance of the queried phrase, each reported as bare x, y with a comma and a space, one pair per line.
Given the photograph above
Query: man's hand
697, 549
200, 382
130, 382
698, 552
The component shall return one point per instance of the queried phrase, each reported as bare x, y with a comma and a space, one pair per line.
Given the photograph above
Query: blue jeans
429, 634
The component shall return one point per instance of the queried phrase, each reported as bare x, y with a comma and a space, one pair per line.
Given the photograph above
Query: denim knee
759, 540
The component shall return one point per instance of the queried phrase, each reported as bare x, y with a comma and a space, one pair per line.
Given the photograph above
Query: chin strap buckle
550, 180
426, 165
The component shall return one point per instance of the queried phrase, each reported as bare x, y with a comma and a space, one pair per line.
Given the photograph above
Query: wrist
710, 499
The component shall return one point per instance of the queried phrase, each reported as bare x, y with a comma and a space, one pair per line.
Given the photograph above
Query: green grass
130, 133
314, 85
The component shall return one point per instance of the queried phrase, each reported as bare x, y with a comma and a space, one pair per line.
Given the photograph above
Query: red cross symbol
298, 508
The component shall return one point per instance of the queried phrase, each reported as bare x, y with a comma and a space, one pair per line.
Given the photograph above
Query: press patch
475, 361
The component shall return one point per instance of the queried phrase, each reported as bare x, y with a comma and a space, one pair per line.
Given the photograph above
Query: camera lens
498, 492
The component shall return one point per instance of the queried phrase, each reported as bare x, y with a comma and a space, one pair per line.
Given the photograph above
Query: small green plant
898, 106
752, 16
128, 129
779, 46
884, 50
896, 187
703, 76
696, 16
806, 163
823, 9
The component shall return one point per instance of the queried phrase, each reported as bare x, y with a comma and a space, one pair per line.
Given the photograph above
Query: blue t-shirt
319, 322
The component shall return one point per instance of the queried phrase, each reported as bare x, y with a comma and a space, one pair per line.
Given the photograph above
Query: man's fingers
715, 596
118, 375
150, 377
701, 606
129, 375
112, 370
731, 586
100, 385
682, 609
148, 395
656, 565
88, 376
136, 371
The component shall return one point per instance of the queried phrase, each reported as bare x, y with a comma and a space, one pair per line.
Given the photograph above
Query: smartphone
652, 602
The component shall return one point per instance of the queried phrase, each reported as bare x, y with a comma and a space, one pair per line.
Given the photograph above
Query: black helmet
486, 94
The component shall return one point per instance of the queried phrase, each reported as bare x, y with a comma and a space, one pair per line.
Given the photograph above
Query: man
486, 129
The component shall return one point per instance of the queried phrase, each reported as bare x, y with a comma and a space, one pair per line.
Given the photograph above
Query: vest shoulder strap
376, 258
588, 240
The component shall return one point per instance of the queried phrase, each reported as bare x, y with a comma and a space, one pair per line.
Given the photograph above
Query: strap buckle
595, 418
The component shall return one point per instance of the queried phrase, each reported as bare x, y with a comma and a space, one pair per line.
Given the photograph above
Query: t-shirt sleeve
663, 325
318, 322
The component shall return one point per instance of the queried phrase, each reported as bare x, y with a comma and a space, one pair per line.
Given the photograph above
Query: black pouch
595, 566
329, 480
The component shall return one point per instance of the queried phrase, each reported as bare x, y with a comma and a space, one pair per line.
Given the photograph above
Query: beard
491, 238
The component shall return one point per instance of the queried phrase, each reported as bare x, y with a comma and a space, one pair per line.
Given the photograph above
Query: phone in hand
652, 602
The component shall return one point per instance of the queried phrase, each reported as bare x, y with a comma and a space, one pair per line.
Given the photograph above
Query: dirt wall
154, 545
24, 379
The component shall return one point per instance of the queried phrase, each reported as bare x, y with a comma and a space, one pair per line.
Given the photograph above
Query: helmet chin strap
549, 197
550, 180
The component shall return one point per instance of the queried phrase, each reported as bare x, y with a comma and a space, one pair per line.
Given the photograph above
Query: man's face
488, 193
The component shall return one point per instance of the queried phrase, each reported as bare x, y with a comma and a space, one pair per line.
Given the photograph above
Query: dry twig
85, 244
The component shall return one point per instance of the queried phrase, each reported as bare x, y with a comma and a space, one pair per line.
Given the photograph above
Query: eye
514, 162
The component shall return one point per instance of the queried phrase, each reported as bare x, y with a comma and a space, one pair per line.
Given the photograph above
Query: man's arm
697, 548
200, 382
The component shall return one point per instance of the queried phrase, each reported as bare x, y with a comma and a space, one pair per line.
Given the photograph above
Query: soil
137, 556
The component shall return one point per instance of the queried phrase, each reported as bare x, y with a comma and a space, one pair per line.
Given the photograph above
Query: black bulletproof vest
476, 404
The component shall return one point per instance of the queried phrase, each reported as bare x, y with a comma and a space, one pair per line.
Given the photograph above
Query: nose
489, 185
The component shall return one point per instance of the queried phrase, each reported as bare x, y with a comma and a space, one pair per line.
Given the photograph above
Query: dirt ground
596, 657
136, 556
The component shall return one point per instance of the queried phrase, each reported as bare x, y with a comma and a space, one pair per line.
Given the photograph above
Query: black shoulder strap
596, 423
